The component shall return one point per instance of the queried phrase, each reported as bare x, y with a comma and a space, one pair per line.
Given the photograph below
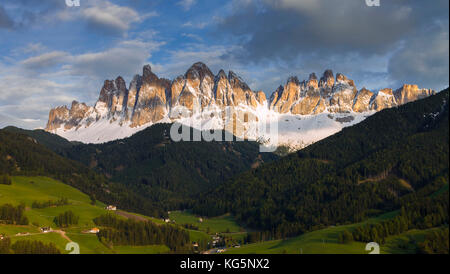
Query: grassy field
26, 190
224, 223
51, 237
324, 241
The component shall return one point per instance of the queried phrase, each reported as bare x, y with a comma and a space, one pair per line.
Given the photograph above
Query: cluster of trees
66, 219
10, 214
190, 226
5, 179
390, 159
436, 242
345, 237
425, 213
27, 247
61, 202
116, 231
5, 245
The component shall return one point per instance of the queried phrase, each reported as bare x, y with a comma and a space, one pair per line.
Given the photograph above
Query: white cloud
45, 60
200, 25
111, 17
187, 4
125, 59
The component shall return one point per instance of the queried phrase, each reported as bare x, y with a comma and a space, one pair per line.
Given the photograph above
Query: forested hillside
22, 155
395, 158
166, 172
52, 141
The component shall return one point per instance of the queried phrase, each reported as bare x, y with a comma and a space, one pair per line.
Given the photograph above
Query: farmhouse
94, 230
46, 229
111, 207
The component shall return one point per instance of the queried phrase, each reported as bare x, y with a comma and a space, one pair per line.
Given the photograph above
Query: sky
52, 54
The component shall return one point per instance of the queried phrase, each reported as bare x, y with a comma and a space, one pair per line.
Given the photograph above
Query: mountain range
392, 164
306, 111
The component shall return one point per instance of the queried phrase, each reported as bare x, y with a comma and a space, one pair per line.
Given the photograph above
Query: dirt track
130, 216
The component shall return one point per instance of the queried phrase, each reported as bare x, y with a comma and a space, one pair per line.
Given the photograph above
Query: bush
345, 237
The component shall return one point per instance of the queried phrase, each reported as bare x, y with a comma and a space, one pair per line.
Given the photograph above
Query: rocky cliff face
150, 99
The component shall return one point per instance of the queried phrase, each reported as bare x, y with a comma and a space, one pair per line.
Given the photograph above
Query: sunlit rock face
409, 93
384, 99
362, 100
57, 117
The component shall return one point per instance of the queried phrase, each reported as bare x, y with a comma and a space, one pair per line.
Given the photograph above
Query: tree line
44, 204
116, 231
27, 247
14, 215
421, 214
66, 219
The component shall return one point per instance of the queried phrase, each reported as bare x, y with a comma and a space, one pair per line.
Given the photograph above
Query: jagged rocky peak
363, 100
341, 78
236, 81
199, 71
293, 80
113, 96
221, 75
78, 109
148, 77
57, 117
150, 105
327, 79
121, 85
312, 81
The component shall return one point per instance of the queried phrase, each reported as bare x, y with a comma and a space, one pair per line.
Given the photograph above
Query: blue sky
51, 54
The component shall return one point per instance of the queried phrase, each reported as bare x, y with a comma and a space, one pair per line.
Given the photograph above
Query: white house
111, 207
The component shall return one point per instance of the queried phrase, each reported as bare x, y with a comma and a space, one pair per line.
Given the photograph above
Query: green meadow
26, 190
220, 224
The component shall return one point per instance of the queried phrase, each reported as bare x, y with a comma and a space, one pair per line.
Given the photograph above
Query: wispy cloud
112, 18
187, 4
